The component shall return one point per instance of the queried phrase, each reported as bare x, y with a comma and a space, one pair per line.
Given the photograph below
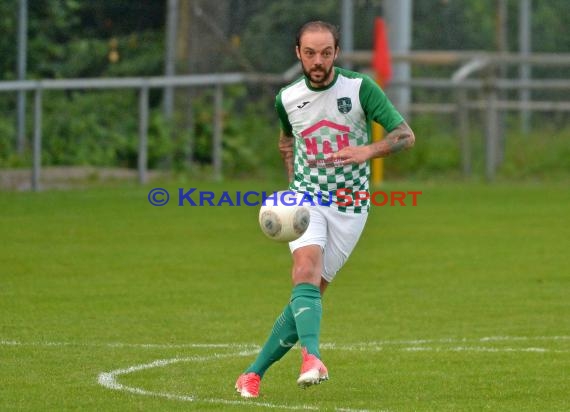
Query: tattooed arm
401, 138
286, 150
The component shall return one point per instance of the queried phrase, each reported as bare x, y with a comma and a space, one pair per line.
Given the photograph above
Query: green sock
282, 338
307, 311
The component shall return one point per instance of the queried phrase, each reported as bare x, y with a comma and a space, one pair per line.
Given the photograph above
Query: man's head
317, 48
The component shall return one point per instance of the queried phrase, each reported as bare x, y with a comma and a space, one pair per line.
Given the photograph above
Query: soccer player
325, 117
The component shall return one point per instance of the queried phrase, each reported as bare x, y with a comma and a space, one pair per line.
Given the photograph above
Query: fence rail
469, 63
453, 57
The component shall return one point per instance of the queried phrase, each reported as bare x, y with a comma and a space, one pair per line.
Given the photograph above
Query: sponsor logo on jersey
324, 138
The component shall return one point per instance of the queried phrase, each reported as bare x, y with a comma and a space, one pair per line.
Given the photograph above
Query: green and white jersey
323, 121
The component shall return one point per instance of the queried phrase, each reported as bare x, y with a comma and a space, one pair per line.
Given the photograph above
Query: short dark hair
318, 25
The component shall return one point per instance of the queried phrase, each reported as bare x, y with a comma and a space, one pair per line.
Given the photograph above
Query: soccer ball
283, 222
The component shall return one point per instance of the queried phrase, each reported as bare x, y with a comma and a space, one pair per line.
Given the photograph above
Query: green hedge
100, 128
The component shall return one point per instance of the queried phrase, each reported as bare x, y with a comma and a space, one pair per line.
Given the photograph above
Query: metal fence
468, 65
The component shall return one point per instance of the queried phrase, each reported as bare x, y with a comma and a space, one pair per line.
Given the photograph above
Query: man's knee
307, 265
305, 270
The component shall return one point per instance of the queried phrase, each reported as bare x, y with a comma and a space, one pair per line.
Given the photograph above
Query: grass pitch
458, 304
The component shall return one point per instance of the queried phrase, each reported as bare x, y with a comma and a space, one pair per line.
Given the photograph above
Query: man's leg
306, 304
307, 266
282, 338
313, 269
290, 325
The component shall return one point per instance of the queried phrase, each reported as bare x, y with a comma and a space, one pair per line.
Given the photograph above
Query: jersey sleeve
283, 118
377, 106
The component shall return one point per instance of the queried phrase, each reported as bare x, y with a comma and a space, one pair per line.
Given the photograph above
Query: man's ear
336, 53
298, 52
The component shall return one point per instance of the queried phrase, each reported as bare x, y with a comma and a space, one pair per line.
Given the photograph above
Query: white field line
480, 349
109, 380
364, 346
134, 345
359, 410
382, 343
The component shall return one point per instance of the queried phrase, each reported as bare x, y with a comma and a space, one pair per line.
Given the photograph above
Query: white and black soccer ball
283, 222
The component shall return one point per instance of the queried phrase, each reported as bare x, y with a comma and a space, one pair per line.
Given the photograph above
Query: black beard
325, 78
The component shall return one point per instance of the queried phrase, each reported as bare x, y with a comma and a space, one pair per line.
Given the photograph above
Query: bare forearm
286, 151
401, 138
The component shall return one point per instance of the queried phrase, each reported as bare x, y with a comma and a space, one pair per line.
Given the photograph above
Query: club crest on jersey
344, 105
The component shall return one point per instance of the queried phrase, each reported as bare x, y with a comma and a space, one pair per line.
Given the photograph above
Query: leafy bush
542, 154
89, 128
436, 151
100, 128
250, 132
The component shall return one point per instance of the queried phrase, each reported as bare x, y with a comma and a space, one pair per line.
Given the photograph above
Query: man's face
317, 54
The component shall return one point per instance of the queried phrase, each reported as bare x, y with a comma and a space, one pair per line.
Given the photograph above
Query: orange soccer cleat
313, 371
248, 385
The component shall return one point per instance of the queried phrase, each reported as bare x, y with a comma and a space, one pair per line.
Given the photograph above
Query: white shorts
335, 232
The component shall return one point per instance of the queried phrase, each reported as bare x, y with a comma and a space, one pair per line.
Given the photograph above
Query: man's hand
399, 139
352, 155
